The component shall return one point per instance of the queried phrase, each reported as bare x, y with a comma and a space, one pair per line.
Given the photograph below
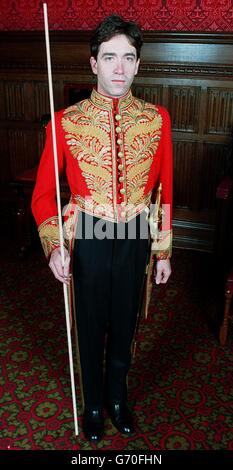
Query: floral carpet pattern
181, 380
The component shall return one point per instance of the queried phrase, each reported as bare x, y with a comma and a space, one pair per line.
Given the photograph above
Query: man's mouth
118, 81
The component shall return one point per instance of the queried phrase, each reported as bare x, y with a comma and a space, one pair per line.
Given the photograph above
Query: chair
228, 314
224, 249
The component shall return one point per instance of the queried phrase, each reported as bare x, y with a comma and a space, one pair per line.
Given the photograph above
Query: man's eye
108, 59
129, 59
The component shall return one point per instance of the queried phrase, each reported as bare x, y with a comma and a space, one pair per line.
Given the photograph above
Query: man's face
115, 67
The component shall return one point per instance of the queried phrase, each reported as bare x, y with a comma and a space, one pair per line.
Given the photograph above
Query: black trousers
108, 275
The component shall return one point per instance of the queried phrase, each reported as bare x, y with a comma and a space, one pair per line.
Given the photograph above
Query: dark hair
111, 26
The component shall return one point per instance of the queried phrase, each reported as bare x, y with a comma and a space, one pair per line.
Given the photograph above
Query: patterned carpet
181, 381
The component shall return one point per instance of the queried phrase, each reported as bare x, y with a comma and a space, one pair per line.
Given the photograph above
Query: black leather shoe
93, 424
121, 417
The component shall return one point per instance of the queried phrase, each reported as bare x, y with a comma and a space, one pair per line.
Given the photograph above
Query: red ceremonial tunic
115, 153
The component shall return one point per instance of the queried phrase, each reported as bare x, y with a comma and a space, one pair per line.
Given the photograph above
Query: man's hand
162, 271
55, 264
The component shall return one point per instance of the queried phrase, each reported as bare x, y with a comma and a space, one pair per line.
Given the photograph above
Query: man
116, 150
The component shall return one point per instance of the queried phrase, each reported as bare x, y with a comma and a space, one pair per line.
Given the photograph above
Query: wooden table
26, 230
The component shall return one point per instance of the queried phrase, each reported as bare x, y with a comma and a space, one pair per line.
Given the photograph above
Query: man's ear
137, 66
93, 63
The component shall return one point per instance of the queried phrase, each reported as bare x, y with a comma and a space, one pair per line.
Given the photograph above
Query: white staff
65, 291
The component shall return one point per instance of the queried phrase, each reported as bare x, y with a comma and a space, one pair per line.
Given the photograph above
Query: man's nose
119, 67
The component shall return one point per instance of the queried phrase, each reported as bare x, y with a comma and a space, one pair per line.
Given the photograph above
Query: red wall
172, 15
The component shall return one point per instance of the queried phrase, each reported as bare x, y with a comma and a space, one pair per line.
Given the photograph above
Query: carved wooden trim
146, 69
30, 41
179, 69
42, 66
149, 36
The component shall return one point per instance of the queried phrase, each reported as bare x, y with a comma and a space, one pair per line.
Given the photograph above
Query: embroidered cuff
161, 246
49, 235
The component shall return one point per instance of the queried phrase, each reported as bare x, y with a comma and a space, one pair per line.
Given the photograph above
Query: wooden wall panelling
2, 102
41, 98
150, 93
184, 105
212, 169
185, 191
15, 102
40, 141
4, 161
219, 111
23, 144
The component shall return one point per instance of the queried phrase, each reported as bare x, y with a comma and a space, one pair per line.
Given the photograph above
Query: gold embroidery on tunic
142, 133
143, 128
95, 170
89, 142
89, 132
49, 235
138, 169
136, 196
